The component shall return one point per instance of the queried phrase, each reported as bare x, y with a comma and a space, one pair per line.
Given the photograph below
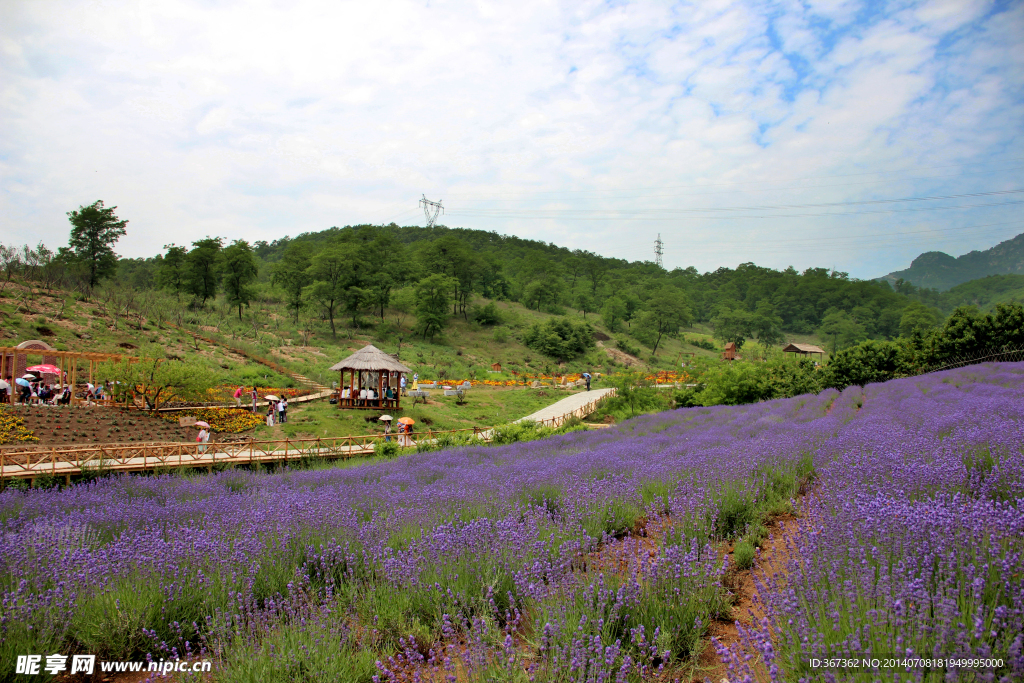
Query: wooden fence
75, 460
68, 461
582, 411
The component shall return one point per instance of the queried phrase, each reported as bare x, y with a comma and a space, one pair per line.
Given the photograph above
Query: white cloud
258, 120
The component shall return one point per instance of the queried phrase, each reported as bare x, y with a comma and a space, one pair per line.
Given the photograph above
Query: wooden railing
74, 460
66, 461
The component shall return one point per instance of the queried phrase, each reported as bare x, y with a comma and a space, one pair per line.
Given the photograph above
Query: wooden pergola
14, 360
370, 368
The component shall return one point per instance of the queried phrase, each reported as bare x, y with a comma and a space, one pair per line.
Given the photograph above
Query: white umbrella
4, 384
271, 397
385, 418
30, 377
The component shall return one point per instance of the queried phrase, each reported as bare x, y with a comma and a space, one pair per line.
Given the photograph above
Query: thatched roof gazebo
374, 380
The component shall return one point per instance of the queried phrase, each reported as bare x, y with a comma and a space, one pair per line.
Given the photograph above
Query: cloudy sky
814, 133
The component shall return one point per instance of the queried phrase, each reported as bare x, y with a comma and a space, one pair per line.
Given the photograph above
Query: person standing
586, 376
203, 439
387, 430
402, 383
282, 410
254, 397
271, 411
238, 396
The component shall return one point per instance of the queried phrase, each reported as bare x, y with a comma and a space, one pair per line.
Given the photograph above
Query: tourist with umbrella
271, 408
386, 419
25, 389
586, 376
204, 435
407, 423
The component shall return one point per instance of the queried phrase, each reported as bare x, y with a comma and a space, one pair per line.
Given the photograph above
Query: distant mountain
937, 270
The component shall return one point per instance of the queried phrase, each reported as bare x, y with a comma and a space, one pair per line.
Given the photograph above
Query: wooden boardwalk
68, 461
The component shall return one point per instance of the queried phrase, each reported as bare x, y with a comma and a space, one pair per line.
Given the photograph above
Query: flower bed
13, 429
231, 420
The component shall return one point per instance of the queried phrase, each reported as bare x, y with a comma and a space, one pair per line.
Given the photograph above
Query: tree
240, 270
329, 271
841, 330
94, 231
174, 269
767, 325
584, 304
204, 268
918, 317
613, 312
733, 325
560, 338
433, 297
404, 302
292, 274
666, 312
596, 267
155, 379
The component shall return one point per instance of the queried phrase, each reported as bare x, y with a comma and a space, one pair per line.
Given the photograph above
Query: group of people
404, 433
369, 397
277, 412
37, 392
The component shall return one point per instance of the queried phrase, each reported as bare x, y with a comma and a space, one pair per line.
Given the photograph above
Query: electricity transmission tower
659, 249
431, 209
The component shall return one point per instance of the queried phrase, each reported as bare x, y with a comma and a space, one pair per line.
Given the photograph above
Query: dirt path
748, 609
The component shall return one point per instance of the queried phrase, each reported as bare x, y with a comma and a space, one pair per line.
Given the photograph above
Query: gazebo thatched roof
370, 358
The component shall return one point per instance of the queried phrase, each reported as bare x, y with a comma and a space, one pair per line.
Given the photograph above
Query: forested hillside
354, 276
380, 261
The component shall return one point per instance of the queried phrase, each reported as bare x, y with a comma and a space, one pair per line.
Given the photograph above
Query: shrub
560, 338
743, 555
486, 315
626, 347
386, 449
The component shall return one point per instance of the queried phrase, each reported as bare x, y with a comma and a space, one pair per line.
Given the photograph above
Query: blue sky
739, 131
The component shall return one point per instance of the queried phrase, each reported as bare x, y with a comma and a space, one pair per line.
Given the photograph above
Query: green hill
940, 271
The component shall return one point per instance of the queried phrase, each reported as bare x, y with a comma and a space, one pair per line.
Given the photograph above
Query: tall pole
659, 249
431, 210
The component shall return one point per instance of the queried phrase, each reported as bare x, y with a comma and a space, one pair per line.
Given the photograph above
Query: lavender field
590, 556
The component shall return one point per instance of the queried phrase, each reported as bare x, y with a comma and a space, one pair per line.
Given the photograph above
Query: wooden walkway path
68, 461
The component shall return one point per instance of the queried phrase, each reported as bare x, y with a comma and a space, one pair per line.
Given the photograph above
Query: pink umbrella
45, 369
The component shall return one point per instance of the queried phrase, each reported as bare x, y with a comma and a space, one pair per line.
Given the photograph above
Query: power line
547, 213
901, 172
614, 193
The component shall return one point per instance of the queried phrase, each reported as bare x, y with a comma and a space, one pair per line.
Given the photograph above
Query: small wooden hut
730, 351
804, 349
370, 369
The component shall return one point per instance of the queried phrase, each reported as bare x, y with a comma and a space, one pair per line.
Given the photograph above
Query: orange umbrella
407, 420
